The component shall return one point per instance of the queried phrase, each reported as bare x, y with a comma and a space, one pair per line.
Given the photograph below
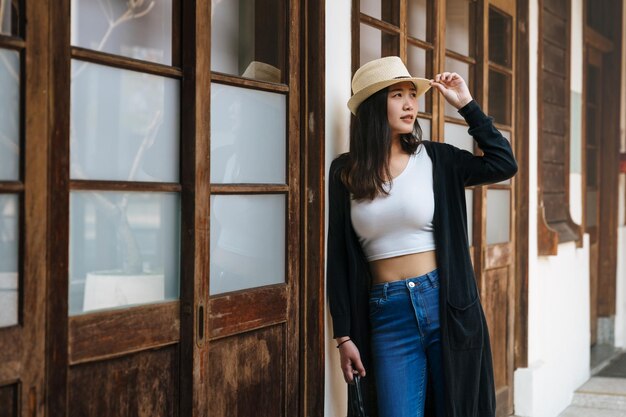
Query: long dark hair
370, 147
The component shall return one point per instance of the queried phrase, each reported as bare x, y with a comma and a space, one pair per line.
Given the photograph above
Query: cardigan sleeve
336, 255
497, 162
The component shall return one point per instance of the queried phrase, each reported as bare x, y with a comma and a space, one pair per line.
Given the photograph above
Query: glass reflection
9, 115
241, 152
458, 26
124, 125
140, 29
9, 253
247, 241
417, 19
9, 17
248, 38
124, 249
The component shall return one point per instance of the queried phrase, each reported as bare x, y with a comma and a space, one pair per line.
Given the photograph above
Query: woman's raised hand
453, 88
350, 361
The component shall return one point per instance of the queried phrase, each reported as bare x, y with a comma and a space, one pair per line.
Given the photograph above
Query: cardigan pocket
464, 325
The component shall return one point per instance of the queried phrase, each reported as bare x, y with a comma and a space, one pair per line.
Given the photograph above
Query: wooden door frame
609, 154
312, 114
522, 188
22, 360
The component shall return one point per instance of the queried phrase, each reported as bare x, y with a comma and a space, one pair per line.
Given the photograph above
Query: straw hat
378, 74
262, 71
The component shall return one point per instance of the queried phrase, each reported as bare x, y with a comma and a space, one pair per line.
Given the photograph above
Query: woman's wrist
344, 341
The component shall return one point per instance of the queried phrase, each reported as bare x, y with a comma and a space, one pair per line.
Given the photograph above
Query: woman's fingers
351, 362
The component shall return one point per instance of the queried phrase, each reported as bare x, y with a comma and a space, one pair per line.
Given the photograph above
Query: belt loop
432, 279
385, 290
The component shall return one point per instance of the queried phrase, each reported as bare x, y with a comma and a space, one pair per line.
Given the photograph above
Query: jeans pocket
465, 327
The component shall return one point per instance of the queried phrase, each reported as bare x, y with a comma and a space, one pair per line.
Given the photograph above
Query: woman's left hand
453, 88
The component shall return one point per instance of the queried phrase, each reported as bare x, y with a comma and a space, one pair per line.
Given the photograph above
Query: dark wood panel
554, 28
553, 88
553, 148
554, 119
555, 207
123, 62
11, 42
252, 382
249, 188
312, 307
495, 298
122, 331
9, 399
521, 219
554, 59
144, 384
124, 186
195, 205
11, 187
500, 255
558, 7
11, 353
553, 178
246, 310
248, 83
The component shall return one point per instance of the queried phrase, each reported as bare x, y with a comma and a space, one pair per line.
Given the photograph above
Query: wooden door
480, 45
125, 317
593, 153
253, 329
497, 205
22, 198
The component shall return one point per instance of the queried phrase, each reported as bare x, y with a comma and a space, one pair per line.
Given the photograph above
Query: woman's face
401, 107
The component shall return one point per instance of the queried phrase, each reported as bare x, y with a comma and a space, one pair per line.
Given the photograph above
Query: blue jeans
406, 345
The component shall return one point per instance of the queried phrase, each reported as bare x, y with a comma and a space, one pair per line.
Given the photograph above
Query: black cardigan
468, 367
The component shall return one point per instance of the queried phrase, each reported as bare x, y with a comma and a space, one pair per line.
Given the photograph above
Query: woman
402, 292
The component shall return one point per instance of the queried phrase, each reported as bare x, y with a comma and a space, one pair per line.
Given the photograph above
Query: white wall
338, 91
558, 310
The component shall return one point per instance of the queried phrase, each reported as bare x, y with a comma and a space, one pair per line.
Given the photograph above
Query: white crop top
401, 222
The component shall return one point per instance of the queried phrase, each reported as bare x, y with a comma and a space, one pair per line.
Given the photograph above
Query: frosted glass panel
417, 18
457, 26
457, 135
417, 68
498, 216
463, 69
9, 115
138, 29
124, 125
248, 38
248, 135
387, 10
469, 205
425, 125
124, 249
372, 8
9, 244
370, 44
247, 241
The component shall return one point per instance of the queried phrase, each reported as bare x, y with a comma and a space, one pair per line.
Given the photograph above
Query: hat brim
421, 84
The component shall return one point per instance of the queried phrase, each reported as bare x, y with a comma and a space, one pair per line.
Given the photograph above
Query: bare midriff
402, 267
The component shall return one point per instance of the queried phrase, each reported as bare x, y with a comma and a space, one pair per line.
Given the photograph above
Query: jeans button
411, 284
